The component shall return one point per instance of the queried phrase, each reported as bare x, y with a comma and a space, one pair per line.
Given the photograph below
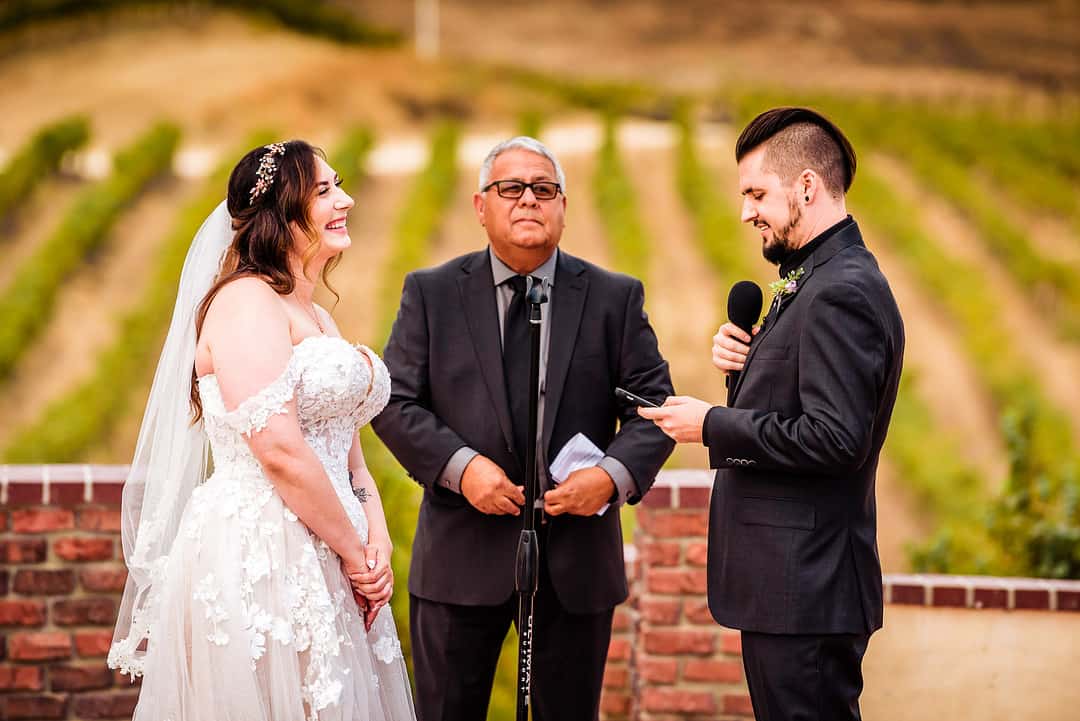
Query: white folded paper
579, 452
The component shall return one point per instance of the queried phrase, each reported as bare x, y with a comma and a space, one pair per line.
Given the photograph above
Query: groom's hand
731, 344
681, 418
583, 493
487, 488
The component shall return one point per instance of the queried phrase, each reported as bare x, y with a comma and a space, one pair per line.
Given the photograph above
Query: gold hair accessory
264, 176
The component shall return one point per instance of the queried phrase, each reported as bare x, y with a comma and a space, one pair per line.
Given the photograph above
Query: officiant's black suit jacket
445, 361
793, 520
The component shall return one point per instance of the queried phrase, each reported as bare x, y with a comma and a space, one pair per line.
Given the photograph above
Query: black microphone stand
526, 575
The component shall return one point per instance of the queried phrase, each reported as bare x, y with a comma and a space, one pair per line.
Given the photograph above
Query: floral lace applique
387, 649
253, 414
208, 592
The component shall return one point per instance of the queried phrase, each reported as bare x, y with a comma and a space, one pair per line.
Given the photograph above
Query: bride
258, 592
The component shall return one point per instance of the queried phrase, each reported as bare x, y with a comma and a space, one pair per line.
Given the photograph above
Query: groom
793, 557
457, 420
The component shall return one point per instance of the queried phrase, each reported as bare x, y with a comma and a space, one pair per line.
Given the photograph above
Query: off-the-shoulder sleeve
379, 394
254, 412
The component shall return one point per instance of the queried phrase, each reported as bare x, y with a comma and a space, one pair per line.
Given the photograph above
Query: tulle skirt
255, 621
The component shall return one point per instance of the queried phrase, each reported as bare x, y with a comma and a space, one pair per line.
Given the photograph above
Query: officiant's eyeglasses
514, 189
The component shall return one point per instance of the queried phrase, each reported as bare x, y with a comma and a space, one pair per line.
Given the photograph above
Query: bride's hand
368, 611
377, 584
376, 580
362, 604
355, 565
372, 613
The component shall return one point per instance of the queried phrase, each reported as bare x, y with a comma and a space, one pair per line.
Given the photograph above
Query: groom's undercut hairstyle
799, 138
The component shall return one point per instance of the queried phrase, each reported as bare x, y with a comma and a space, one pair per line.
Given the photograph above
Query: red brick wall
61, 574
669, 660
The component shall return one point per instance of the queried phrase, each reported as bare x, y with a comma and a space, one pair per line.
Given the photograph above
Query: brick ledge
61, 484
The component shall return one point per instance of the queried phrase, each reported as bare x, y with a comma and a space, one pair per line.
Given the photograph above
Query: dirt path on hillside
945, 379
261, 77
946, 49
85, 318
1054, 363
682, 296
459, 232
33, 223
1051, 235
584, 235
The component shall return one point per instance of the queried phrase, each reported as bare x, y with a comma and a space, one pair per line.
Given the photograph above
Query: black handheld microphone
744, 303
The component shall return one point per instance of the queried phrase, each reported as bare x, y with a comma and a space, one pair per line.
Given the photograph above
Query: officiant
457, 421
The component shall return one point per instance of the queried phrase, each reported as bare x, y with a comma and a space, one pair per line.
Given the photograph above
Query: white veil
171, 454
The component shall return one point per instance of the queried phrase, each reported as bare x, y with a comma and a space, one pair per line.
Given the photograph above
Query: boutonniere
783, 288
786, 286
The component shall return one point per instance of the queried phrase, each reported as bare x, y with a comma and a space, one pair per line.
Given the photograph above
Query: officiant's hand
487, 488
681, 418
583, 493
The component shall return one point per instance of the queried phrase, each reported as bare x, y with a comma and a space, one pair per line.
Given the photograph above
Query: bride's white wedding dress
252, 617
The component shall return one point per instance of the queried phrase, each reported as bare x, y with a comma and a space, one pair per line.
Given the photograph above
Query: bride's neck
304, 288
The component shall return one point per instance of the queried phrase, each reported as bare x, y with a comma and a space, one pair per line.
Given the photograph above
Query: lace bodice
337, 388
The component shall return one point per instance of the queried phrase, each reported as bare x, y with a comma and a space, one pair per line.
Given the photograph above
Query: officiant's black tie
516, 363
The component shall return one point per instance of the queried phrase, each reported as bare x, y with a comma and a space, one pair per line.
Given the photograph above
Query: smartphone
625, 395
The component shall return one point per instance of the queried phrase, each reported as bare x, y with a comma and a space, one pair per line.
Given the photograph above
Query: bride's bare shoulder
249, 288
247, 302
245, 295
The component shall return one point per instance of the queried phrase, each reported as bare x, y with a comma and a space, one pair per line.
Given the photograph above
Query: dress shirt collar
799, 257
501, 272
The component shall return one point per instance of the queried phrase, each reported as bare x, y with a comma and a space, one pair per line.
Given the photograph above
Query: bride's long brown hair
263, 239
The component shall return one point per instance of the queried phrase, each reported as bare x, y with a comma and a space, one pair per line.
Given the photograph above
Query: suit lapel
568, 303
478, 298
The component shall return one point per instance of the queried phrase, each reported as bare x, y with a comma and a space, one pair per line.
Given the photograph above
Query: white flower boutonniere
785, 287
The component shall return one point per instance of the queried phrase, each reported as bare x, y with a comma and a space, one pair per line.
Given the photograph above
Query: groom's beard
782, 246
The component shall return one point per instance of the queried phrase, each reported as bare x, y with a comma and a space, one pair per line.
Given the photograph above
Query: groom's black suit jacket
793, 520
445, 361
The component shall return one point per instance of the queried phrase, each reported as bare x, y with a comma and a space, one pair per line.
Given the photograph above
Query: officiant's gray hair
521, 142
